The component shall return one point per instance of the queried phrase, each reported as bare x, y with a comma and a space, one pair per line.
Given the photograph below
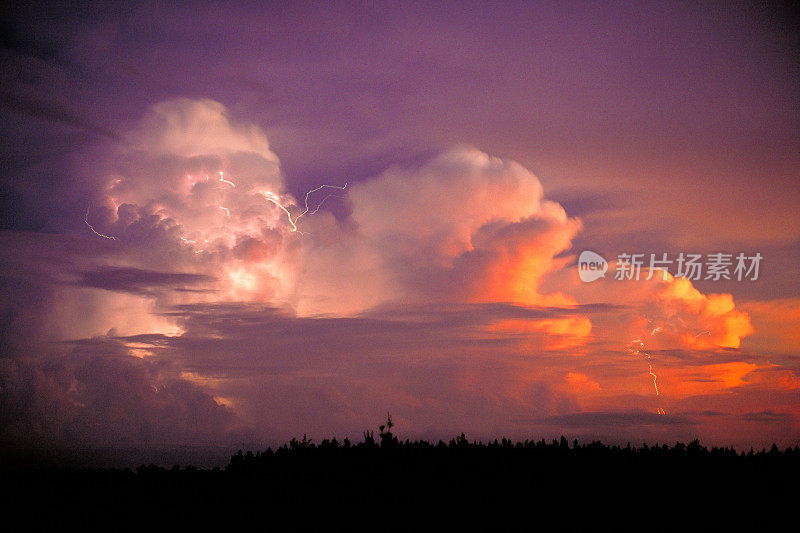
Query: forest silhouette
383, 468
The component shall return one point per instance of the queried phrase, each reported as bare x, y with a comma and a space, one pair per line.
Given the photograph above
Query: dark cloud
327, 374
95, 397
23, 99
138, 281
711, 412
614, 420
769, 417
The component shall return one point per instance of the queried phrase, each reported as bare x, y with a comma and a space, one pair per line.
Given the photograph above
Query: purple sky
484, 147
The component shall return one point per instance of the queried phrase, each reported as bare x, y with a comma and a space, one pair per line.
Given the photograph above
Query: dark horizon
247, 458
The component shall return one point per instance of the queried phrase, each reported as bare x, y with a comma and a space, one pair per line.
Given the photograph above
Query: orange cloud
777, 324
686, 317
715, 313
706, 379
561, 333
463, 227
581, 382
515, 257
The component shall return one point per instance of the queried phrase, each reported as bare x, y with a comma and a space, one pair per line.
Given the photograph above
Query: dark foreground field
403, 477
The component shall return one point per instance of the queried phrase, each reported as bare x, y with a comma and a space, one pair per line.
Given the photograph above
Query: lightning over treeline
205, 242
638, 348
230, 225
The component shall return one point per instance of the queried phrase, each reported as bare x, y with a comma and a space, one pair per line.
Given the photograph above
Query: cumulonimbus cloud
196, 237
188, 194
465, 226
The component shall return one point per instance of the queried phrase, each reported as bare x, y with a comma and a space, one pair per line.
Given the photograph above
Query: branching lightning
86, 220
637, 347
323, 200
310, 209
272, 197
223, 180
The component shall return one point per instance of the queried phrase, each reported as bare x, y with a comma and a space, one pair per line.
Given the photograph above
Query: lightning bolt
637, 347
223, 180
275, 199
86, 220
272, 197
323, 200
655, 378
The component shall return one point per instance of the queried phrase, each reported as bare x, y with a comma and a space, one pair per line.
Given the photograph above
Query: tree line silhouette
384, 467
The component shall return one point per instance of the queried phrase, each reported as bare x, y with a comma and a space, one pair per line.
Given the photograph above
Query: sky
227, 226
